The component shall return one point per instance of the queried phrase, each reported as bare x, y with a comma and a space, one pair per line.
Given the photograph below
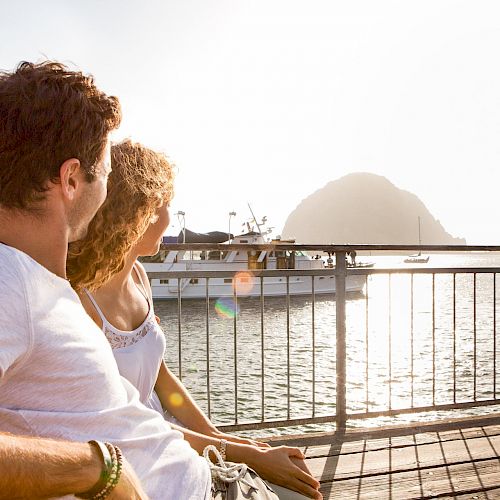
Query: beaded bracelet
110, 474
103, 478
114, 476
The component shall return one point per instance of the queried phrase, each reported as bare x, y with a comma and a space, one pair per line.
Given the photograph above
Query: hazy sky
266, 101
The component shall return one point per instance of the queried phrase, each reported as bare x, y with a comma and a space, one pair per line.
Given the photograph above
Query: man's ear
70, 175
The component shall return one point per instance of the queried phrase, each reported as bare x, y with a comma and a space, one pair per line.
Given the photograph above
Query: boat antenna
254, 218
229, 236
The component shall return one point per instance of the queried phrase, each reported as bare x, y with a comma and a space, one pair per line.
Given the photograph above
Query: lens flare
226, 308
176, 399
243, 282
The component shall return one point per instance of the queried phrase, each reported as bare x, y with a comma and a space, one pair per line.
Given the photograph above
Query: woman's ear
70, 175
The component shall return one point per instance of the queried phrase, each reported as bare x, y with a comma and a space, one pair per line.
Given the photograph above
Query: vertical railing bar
412, 340
433, 339
454, 337
367, 351
390, 341
179, 325
475, 335
340, 326
207, 301
288, 347
494, 335
235, 348
313, 320
262, 361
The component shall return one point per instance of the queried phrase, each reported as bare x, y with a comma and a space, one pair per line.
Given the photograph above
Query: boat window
228, 280
243, 241
232, 256
257, 260
281, 260
163, 282
193, 281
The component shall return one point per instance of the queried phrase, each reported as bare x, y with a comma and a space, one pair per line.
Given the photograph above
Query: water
381, 335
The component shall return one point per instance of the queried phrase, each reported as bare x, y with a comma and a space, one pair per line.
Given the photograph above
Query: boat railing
459, 305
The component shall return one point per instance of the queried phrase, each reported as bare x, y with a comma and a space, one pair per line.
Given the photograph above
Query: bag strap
223, 471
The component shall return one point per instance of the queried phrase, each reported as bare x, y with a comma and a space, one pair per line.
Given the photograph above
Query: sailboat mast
419, 237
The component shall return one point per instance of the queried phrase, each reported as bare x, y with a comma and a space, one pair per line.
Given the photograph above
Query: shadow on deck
447, 459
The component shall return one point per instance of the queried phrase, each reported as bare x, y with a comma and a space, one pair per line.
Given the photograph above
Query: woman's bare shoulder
144, 277
90, 308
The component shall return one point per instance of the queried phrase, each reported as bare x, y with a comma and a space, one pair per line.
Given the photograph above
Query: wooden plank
452, 480
404, 459
358, 434
476, 495
397, 441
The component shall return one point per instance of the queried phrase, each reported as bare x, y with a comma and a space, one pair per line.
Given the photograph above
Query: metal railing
346, 408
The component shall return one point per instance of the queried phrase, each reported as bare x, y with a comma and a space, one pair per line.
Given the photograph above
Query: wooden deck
447, 459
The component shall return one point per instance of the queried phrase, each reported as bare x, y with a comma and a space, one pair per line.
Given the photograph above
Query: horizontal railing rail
329, 247
470, 310
273, 273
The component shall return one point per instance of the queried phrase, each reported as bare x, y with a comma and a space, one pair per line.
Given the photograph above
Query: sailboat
417, 258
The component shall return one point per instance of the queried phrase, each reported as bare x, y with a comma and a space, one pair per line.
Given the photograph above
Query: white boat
243, 263
417, 258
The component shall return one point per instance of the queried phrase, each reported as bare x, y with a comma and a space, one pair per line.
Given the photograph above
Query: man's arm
35, 467
44, 468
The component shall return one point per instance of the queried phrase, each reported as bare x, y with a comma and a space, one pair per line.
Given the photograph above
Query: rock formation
364, 208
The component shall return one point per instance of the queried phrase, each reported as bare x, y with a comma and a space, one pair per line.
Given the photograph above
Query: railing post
340, 299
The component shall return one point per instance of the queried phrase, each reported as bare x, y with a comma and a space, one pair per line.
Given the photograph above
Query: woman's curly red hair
141, 181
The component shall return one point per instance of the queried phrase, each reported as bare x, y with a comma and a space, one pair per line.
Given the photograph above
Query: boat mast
419, 237
181, 217
255, 219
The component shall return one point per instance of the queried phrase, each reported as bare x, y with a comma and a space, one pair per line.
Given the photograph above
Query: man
58, 377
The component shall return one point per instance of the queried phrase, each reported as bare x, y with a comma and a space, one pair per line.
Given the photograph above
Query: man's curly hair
49, 114
141, 181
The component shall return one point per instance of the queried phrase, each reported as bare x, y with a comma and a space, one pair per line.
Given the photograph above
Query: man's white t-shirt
59, 379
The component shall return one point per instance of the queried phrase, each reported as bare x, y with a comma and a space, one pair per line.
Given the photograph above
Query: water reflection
403, 349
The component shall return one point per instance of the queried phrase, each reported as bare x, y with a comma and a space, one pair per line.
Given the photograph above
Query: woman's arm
175, 398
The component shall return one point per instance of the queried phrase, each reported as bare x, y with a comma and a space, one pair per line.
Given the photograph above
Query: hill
364, 208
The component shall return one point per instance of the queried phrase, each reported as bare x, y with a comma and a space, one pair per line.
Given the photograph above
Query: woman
115, 291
